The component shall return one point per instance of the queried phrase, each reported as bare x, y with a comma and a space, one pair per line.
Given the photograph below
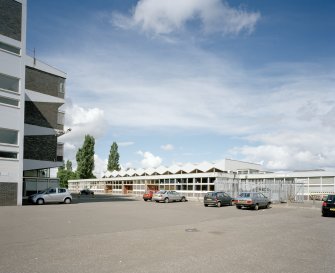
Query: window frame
17, 137
4, 76
7, 104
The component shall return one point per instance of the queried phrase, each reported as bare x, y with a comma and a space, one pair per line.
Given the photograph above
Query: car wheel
324, 214
166, 200
268, 205
218, 204
206, 205
157, 201
183, 199
238, 207
67, 201
145, 200
256, 207
40, 201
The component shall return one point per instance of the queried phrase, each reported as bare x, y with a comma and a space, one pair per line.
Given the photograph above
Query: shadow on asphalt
98, 198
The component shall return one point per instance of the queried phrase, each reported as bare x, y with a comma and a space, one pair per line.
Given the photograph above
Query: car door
262, 199
226, 198
219, 197
60, 195
50, 196
174, 195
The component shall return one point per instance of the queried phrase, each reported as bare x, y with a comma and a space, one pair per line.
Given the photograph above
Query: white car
51, 195
168, 196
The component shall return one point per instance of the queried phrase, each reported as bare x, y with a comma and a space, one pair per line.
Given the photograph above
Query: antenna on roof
34, 57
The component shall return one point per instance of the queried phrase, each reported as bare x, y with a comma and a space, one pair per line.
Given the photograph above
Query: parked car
168, 196
217, 199
148, 195
328, 205
86, 192
51, 195
253, 200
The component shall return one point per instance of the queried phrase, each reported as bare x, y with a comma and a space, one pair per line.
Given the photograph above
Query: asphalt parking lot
120, 234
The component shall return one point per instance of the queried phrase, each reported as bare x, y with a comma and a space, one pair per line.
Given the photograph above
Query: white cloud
100, 166
285, 110
149, 160
164, 17
82, 121
167, 147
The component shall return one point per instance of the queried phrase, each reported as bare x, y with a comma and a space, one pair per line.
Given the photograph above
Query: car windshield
161, 192
245, 194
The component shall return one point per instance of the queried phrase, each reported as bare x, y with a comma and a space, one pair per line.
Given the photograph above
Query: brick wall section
10, 19
42, 114
40, 148
43, 82
8, 194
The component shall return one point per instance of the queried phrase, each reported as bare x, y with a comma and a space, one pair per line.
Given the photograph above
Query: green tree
85, 158
65, 174
113, 159
69, 165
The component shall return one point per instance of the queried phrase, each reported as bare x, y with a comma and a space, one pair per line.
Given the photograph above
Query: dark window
8, 136
10, 19
4, 154
10, 48
52, 191
9, 101
9, 83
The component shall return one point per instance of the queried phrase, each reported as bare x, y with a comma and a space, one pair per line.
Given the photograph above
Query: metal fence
277, 191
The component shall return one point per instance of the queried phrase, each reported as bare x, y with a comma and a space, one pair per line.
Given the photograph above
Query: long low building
232, 176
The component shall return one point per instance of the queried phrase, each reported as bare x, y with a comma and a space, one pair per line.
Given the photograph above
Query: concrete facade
31, 93
12, 52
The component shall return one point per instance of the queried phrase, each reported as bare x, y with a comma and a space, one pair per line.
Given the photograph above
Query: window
51, 191
9, 83
8, 136
61, 118
10, 48
4, 154
9, 101
61, 87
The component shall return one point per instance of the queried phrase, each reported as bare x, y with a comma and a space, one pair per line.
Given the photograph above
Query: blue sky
193, 81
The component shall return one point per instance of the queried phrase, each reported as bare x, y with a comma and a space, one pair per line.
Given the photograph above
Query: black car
86, 192
328, 205
217, 199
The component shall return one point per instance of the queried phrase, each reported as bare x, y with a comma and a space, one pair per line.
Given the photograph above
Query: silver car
51, 195
253, 200
168, 196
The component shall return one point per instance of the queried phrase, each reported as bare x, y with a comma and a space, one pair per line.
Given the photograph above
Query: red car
148, 195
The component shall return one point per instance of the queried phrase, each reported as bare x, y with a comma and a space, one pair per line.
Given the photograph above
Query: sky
173, 82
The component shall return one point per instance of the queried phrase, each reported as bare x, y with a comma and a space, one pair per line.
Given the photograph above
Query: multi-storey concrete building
31, 93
